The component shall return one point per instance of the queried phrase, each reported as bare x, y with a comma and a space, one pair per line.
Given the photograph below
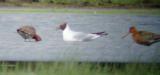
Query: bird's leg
25, 40
130, 46
30, 40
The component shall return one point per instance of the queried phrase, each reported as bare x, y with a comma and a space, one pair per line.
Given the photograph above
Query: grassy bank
93, 3
83, 11
84, 3
74, 68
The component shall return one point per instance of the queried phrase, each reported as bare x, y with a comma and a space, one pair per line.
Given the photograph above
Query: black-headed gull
28, 32
70, 35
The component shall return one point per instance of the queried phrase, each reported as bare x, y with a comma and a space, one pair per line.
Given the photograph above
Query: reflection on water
52, 47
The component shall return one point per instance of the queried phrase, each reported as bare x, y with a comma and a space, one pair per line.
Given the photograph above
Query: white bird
70, 35
28, 32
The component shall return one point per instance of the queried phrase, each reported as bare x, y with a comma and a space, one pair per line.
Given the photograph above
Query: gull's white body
70, 35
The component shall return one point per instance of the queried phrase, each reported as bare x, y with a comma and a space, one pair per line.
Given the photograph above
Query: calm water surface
52, 48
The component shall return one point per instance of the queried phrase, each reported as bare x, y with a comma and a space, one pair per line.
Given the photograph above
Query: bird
143, 37
28, 32
71, 35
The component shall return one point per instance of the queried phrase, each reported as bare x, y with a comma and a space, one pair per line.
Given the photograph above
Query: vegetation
84, 11
103, 2
75, 68
95, 3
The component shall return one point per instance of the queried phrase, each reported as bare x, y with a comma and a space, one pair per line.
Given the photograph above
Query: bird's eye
22, 31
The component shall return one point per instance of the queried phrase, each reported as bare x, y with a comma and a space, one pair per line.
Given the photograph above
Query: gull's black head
62, 26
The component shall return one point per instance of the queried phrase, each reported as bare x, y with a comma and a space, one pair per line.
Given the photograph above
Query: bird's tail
101, 33
37, 37
157, 37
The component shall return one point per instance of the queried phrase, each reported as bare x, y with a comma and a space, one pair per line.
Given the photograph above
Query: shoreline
52, 5
136, 11
57, 8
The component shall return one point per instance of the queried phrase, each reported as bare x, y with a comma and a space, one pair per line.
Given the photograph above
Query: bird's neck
67, 28
37, 37
134, 31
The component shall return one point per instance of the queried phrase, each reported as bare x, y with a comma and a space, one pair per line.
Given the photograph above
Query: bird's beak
125, 35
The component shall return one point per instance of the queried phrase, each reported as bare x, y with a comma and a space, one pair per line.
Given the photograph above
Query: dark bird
143, 37
28, 32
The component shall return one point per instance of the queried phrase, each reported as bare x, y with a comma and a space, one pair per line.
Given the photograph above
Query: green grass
84, 11
101, 2
75, 68
85, 3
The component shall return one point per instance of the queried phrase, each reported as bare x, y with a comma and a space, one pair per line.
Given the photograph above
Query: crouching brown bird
28, 32
143, 37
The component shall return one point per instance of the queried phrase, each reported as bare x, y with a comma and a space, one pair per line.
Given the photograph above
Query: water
52, 48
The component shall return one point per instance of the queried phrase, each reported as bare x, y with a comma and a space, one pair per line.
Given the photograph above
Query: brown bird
28, 32
143, 37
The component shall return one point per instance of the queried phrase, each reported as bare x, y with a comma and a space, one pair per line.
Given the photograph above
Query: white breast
70, 35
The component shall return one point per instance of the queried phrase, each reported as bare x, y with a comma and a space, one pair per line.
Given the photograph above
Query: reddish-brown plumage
37, 37
144, 37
